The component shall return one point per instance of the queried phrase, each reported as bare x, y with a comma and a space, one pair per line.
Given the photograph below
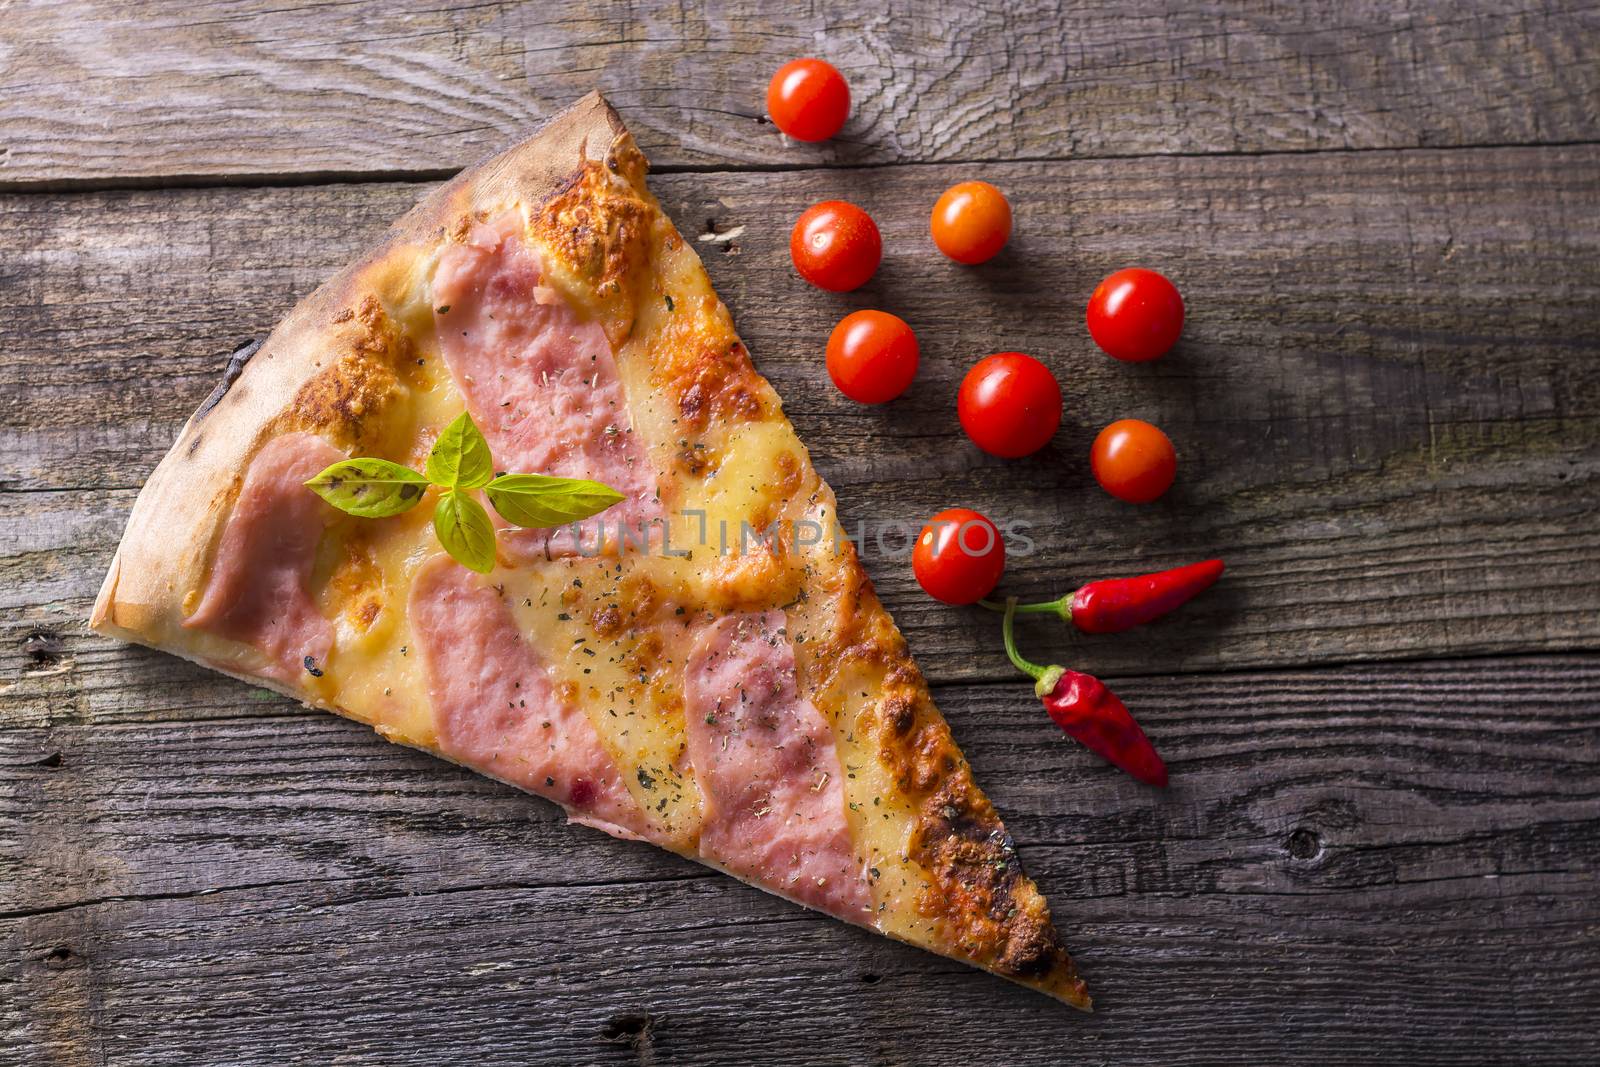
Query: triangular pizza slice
704, 666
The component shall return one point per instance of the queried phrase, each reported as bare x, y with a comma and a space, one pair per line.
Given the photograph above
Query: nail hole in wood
631, 1029
872, 979
44, 648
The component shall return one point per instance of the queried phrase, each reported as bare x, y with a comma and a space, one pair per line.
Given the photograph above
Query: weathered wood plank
1385, 402
119, 90
1380, 864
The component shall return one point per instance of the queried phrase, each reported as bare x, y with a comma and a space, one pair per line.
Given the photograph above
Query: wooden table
1382, 838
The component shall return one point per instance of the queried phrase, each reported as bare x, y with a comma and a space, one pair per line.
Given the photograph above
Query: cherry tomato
808, 99
872, 356
959, 556
1135, 315
1009, 404
971, 222
835, 246
1133, 461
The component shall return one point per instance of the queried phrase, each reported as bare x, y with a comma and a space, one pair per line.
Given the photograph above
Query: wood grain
1381, 864
119, 91
1388, 419
1384, 404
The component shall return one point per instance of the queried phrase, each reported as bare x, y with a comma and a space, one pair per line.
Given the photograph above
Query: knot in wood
1304, 843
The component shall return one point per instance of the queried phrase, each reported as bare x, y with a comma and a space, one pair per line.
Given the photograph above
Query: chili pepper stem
1062, 607
1045, 678
1032, 670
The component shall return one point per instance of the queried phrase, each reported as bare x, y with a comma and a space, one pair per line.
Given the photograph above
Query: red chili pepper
1090, 713
1112, 605
1096, 718
1117, 604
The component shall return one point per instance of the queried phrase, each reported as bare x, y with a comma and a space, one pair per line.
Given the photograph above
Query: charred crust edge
241, 355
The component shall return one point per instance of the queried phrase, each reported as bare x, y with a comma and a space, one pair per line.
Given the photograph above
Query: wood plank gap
290, 712
701, 875
290, 180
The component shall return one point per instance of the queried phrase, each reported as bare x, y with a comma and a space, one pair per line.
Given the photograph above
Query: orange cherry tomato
959, 556
872, 356
836, 246
971, 222
808, 99
1133, 461
1135, 315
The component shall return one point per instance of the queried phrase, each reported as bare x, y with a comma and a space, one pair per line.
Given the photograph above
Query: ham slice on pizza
754, 709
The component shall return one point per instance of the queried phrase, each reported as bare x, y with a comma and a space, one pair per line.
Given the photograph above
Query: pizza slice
657, 671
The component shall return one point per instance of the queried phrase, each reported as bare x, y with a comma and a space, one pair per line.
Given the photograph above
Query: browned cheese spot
357, 580
345, 401
598, 229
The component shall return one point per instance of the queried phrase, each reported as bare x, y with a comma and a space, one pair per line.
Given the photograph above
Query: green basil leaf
460, 457
465, 531
371, 488
539, 500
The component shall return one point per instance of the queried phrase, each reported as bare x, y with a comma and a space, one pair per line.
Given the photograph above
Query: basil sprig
459, 463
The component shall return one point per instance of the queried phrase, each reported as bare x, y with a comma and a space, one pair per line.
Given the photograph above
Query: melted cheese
881, 818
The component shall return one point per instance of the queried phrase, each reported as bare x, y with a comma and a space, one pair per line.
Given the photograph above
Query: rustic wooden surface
364, 87
1381, 842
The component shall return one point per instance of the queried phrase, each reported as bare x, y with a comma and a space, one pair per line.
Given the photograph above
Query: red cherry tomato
835, 246
872, 356
971, 222
1133, 461
808, 99
1135, 315
1009, 404
959, 556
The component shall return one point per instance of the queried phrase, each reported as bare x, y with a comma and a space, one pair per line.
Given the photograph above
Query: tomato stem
1032, 670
